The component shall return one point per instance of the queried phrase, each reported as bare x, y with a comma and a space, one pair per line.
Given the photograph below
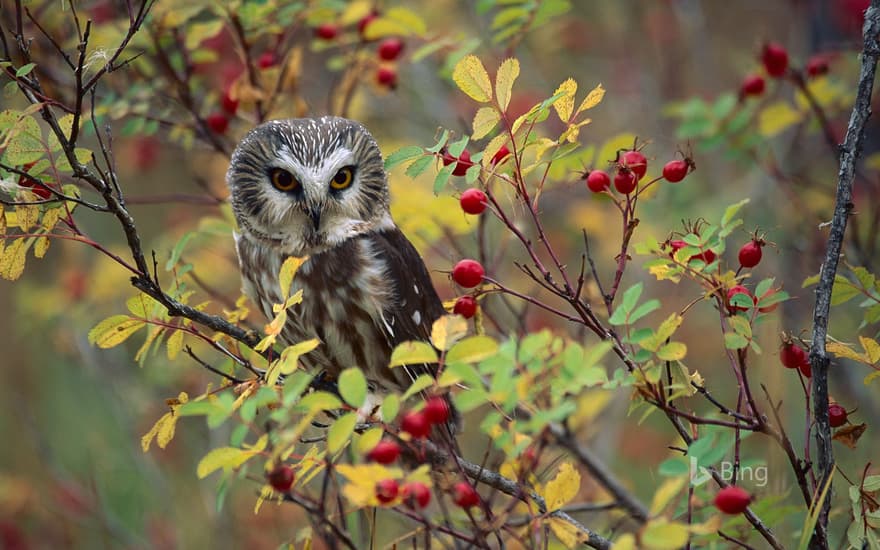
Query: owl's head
303, 185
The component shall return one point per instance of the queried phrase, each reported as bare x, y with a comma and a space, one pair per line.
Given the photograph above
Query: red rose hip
625, 181
390, 48
387, 76
464, 495
732, 500
500, 155
836, 415
636, 162
267, 59
792, 355
326, 31
464, 162
750, 253
598, 181
217, 122
466, 306
675, 170
416, 494
281, 478
416, 424
436, 410
775, 59
734, 290
752, 85
473, 201
386, 490
385, 452
468, 273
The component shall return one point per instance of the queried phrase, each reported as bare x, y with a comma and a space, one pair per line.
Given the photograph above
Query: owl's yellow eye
343, 178
283, 180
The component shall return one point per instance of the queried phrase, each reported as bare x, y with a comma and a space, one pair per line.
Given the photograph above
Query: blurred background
72, 471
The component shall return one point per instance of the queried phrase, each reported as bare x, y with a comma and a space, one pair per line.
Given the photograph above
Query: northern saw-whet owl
318, 188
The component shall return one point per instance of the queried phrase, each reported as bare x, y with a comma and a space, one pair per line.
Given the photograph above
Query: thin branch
849, 154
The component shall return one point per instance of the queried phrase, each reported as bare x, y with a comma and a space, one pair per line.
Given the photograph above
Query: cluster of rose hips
388, 50
418, 425
774, 58
630, 167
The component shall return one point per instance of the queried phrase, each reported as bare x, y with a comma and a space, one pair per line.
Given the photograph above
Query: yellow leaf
568, 534
872, 161
362, 479
565, 104
871, 347
484, 121
666, 493
494, 146
504, 79
561, 489
40, 247
354, 11
162, 431
664, 331
660, 534
289, 360
12, 260
840, 349
472, 350
412, 353
447, 330
287, 272
141, 305
777, 117
870, 378
114, 330
673, 351
175, 344
367, 440
625, 542
609, 149
27, 216
396, 21
340, 432
593, 98
227, 458
471, 78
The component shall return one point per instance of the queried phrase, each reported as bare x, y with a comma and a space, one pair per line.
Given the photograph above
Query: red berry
387, 76
625, 181
750, 253
416, 424
366, 20
635, 161
326, 31
385, 452
528, 459
267, 59
792, 356
598, 181
436, 410
416, 493
217, 122
675, 170
281, 478
36, 187
775, 59
806, 369
228, 104
752, 85
836, 415
732, 500
738, 289
390, 48
466, 306
817, 65
464, 162
677, 245
707, 256
468, 273
386, 490
465, 495
473, 201
500, 155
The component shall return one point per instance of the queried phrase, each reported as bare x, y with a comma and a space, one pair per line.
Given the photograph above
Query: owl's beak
315, 215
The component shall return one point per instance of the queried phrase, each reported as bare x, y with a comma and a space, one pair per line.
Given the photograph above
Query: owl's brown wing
416, 305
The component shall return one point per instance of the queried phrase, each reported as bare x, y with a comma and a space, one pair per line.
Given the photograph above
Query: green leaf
390, 407
643, 310
24, 70
353, 386
733, 340
402, 155
420, 383
472, 350
319, 401
369, 439
440, 142
470, 399
340, 432
674, 467
843, 291
418, 166
731, 211
413, 353
442, 177
673, 351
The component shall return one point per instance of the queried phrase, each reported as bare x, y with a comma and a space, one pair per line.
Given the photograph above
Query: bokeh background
72, 472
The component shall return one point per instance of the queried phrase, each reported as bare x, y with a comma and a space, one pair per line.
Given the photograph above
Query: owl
317, 187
